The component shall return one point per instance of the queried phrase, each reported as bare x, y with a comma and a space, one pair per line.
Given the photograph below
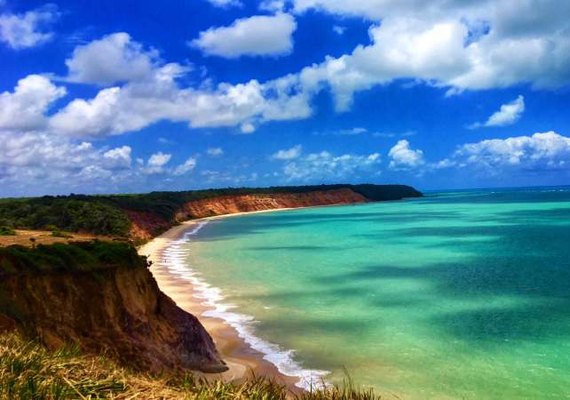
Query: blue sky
133, 96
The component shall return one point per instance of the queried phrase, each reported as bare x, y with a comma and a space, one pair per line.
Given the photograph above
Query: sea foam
175, 260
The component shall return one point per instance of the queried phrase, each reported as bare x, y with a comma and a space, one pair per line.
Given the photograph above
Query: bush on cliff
7, 231
75, 256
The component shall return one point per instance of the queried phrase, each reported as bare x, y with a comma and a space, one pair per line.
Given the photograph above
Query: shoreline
240, 357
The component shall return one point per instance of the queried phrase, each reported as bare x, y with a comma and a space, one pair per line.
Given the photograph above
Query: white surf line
174, 259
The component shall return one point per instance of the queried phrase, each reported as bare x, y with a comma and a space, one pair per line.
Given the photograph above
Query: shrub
60, 234
7, 231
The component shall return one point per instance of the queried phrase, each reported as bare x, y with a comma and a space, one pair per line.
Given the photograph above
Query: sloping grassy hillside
29, 371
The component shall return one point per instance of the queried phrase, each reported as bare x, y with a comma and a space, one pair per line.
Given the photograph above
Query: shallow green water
457, 295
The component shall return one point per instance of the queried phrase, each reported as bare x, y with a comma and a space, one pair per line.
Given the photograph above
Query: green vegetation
29, 371
105, 215
65, 214
60, 234
7, 231
75, 256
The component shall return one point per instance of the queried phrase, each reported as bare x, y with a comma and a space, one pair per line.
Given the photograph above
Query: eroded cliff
246, 203
102, 297
145, 225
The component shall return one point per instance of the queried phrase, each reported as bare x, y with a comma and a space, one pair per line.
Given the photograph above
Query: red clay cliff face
246, 203
120, 311
145, 226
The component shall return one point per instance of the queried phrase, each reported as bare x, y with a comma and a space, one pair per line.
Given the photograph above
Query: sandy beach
241, 359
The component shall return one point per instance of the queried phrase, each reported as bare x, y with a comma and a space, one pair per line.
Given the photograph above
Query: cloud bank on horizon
283, 92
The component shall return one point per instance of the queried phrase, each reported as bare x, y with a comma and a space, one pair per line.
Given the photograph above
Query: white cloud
159, 159
20, 31
325, 166
119, 157
339, 30
140, 103
272, 5
113, 58
226, 3
25, 107
288, 154
393, 134
403, 157
343, 132
259, 35
215, 152
522, 17
448, 47
247, 127
156, 162
39, 163
448, 43
186, 167
508, 114
541, 151
400, 49
234, 178
163, 140
93, 117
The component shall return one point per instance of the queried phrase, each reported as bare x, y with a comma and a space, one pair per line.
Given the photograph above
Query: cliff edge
102, 297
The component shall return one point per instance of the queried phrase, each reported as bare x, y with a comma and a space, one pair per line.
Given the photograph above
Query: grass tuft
29, 371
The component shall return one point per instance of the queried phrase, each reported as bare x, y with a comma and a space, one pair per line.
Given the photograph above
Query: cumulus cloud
402, 157
157, 96
508, 114
541, 151
452, 44
438, 52
25, 107
524, 17
442, 43
21, 31
259, 35
185, 167
39, 163
156, 163
288, 154
215, 152
113, 58
325, 166
119, 157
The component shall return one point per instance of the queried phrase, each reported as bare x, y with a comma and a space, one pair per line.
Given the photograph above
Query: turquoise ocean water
458, 295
